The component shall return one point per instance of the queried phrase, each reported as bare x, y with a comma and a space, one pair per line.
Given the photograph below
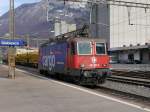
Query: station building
132, 54
129, 33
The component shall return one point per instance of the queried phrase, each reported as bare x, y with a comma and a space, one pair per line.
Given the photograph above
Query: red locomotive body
83, 59
87, 60
88, 54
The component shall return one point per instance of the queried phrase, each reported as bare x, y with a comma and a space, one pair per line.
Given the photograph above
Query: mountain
32, 18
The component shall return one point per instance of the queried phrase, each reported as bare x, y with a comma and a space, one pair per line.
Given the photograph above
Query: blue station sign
15, 42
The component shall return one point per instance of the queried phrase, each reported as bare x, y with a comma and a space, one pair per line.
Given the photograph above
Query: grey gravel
133, 89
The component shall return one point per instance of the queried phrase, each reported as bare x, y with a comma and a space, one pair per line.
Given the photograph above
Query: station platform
32, 93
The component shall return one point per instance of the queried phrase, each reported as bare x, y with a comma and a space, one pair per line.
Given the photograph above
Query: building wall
62, 27
146, 56
57, 28
125, 32
100, 21
72, 27
137, 55
123, 56
142, 55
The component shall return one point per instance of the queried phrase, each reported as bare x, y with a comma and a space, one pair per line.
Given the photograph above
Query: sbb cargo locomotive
83, 59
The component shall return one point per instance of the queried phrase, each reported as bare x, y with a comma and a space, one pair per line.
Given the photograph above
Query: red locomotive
82, 58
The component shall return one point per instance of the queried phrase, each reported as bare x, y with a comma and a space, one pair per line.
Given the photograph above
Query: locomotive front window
84, 48
100, 48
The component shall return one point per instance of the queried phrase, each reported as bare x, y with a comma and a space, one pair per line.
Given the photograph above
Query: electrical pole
11, 20
28, 46
11, 50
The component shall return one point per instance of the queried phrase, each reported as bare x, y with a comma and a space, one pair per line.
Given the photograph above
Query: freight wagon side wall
53, 57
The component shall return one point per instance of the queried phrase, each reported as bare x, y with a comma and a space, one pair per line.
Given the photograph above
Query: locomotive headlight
104, 65
85, 74
82, 65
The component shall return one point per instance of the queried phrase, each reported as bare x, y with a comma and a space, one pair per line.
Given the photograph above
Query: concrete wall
123, 56
62, 27
137, 55
100, 22
57, 28
146, 56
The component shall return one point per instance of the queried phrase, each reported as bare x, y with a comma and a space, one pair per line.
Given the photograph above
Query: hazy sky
4, 4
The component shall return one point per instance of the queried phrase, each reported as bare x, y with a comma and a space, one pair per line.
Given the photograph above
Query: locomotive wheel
46, 73
80, 80
102, 81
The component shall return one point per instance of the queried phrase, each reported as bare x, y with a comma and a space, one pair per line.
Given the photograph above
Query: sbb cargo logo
48, 61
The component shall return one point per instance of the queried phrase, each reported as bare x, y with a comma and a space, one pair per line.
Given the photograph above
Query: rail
131, 67
128, 80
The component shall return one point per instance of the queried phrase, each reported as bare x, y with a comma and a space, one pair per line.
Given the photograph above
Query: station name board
15, 42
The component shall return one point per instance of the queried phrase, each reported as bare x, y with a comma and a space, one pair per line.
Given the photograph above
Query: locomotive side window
100, 48
84, 48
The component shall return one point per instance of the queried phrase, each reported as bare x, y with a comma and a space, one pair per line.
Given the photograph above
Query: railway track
130, 80
116, 78
136, 99
132, 74
139, 78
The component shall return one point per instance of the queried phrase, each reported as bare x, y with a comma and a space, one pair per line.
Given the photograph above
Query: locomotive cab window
84, 48
100, 48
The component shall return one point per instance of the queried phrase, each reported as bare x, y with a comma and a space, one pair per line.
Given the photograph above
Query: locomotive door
71, 54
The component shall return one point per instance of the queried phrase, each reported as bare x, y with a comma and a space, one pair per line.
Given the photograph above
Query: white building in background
62, 27
72, 27
129, 26
57, 28
130, 33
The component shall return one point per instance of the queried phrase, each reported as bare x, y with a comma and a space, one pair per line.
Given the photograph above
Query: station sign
15, 42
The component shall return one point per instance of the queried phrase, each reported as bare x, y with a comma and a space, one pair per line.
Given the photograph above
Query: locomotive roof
77, 35
89, 39
76, 39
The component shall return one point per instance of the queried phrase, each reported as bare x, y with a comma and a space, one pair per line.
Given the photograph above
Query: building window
149, 56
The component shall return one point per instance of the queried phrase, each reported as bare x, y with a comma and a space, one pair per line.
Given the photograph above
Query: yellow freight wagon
27, 57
